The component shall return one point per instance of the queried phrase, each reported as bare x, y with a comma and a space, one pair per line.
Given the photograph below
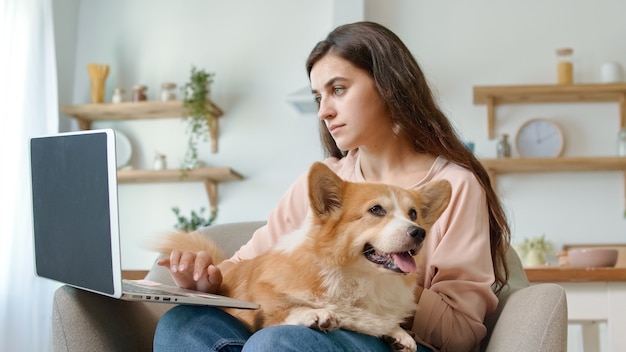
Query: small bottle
139, 92
621, 142
167, 91
503, 148
159, 161
118, 95
564, 66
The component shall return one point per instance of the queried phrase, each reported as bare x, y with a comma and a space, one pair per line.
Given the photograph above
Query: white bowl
592, 257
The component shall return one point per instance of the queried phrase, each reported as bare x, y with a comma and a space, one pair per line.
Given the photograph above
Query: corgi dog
351, 266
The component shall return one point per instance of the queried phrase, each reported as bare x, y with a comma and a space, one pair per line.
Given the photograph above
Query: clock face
539, 138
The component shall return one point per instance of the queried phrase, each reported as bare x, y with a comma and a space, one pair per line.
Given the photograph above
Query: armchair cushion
533, 319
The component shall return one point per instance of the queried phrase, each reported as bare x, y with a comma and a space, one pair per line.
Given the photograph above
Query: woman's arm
458, 272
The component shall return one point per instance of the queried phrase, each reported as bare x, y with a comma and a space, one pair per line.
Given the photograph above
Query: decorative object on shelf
168, 91
199, 113
611, 72
621, 142
503, 148
123, 149
539, 138
160, 162
565, 67
195, 221
139, 92
97, 75
592, 257
533, 251
118, 95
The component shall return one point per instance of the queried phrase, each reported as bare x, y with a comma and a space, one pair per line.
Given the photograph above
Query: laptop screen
74, 190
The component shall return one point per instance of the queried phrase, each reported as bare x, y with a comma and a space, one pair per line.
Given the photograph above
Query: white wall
257, 50
460, 44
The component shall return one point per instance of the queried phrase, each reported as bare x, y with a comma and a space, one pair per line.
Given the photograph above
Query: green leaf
198, 114
194, 221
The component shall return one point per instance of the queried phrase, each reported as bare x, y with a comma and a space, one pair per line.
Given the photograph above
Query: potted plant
194, 222
198, 113
534, 250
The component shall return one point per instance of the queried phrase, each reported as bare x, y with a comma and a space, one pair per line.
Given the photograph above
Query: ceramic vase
535, 258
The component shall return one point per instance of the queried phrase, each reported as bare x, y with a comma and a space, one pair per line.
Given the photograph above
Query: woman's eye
413, 214
317, 98
339, 90
377, 210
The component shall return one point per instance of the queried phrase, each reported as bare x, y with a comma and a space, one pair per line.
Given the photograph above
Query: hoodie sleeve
458, 273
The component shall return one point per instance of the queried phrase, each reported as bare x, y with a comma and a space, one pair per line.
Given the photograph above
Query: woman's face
349, 104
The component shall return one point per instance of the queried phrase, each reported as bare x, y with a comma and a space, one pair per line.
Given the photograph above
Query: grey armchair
529, 318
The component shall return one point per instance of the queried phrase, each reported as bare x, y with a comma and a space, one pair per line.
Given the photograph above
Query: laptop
76, 222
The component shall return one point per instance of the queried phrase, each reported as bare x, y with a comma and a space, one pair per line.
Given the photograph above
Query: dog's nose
417, 233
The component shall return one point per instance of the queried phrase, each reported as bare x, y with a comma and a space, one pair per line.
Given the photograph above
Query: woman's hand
193, 270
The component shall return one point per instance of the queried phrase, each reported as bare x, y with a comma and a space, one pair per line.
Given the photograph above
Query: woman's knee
301, 338
187, 328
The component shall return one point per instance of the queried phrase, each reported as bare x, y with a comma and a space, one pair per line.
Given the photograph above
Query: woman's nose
325, 110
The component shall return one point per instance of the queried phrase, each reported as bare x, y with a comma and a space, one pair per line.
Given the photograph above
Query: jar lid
564, 51
168, 85
118, 90
139, 87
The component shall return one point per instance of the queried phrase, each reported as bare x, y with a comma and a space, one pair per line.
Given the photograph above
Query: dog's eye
413, 214
377, 210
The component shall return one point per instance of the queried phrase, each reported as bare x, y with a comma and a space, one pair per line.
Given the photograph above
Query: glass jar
118, 95
621, 142
503, 148
139, 92
565, 66
168, 91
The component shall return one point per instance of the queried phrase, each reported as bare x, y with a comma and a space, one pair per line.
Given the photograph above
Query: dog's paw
401, 340
318, 319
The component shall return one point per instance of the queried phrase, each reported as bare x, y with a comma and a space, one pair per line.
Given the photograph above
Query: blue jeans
198, 328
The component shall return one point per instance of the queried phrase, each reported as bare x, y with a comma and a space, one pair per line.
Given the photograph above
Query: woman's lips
334, 128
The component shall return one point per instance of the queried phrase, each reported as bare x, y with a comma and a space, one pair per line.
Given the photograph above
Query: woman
379, 123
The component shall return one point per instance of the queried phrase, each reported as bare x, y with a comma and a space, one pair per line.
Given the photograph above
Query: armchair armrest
85, 321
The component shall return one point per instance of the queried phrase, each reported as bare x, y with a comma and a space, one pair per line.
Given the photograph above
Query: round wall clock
539, 138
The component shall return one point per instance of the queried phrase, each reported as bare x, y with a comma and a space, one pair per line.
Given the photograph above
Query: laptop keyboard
143, 290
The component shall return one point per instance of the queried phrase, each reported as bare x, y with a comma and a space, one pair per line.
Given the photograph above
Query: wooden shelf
528, 94
562, 164
567, 274
210, 176
86, 114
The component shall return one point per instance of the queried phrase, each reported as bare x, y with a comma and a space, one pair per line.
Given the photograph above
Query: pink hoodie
458, 273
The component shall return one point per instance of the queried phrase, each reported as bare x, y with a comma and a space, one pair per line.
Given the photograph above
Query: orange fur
319, 277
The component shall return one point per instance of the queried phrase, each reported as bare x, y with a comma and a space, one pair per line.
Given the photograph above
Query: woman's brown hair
414, 113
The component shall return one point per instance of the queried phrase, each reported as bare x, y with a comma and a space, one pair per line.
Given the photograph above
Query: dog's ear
435, 196
325, 189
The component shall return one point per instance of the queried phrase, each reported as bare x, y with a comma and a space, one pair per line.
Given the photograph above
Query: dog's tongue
405, 262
